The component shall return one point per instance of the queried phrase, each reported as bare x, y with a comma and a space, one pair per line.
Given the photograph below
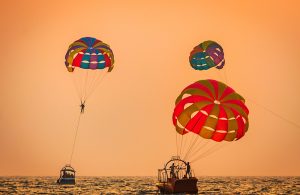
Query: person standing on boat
172, 171
188, 169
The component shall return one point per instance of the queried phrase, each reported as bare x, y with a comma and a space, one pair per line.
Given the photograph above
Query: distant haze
127, 127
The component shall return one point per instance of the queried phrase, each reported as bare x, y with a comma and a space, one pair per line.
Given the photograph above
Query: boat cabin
67, 175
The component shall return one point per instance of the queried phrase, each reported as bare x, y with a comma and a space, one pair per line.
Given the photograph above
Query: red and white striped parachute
212, 110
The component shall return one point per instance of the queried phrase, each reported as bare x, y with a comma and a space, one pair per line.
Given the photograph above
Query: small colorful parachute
89, 53
90, 57
207, 55
212, 110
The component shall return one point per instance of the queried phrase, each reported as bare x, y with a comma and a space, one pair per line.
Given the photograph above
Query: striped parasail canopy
212, 110
206, 55
89, 53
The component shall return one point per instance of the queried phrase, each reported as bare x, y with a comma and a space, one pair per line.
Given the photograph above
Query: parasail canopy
89, 53
206, 55
212, 110
87, 60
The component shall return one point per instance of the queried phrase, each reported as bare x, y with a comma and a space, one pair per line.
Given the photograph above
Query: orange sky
127, 127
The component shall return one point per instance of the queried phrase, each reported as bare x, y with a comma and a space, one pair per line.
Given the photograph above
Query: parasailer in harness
82, 106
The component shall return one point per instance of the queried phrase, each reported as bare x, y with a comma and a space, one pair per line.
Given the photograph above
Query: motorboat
174, 178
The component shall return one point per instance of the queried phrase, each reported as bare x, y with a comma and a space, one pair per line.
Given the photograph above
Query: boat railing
162, 175
180, 173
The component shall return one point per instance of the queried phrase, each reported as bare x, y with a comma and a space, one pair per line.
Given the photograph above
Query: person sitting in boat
188, 170
65, 175
172, 171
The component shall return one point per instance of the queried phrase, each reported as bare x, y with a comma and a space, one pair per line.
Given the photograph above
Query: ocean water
146, 185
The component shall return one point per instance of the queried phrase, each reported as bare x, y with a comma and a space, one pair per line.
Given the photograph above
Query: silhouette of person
188, 169
64, 174
172, 171
82, 106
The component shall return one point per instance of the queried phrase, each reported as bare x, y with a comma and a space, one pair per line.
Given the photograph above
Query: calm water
146, 185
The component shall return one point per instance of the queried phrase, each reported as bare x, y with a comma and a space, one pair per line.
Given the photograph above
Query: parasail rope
180, 145
81, 79
76, 87
191, 143
274, 113
176, 143
93, 80
221, 75
76, 132
97, 82
84, 88
190, 148
187, 143
271, 111
225, 72
211, 150
200, 146
186, 140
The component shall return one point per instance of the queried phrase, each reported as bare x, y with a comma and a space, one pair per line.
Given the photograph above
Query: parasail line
268, 109
225, 72
85, 83
93, 80
199, 147
190, 148
208, 152
181, 145
274, 113
76, 132
76, 87
187, 140
81, 83
176, 143
97, 83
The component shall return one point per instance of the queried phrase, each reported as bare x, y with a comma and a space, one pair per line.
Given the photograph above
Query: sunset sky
127, 128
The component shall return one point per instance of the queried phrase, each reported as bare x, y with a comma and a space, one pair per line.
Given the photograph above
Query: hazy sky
127, 128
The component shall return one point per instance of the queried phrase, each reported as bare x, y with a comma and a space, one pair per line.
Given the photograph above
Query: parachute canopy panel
212, 110
89, 53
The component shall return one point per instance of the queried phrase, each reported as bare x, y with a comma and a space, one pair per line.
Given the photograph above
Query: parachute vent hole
217, 102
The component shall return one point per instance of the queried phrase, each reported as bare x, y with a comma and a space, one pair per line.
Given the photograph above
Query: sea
146, 185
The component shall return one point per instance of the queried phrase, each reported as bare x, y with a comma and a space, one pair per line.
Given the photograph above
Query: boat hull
173, 186
68, 181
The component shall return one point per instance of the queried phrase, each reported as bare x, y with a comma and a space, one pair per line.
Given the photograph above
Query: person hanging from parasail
88, 60
82, 106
